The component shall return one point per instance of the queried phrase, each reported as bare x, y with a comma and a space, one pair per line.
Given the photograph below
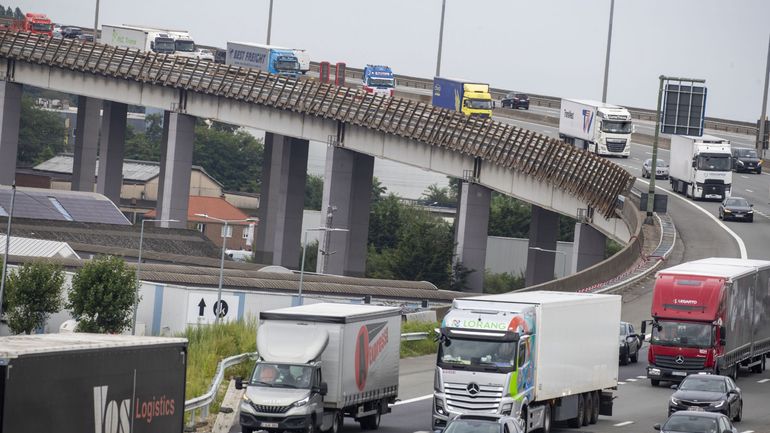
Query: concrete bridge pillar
284, 172
10, 116
111, 145
348, 188
86, 144
543, 234
588, 248
176, 164
471, 232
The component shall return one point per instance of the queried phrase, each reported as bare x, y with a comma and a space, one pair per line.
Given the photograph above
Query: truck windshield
714, 162
185, 46
479, 104
286, 65
41, 27
683, 334
282, 375
477, 354
616, 126
163, 46
380, 82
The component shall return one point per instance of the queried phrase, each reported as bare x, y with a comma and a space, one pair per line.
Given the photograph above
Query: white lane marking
748, 431
744, 177
763, 380
412, 400
641, 377
623, 424
741, 245
631, 380
748, 190
648, 153
621, 383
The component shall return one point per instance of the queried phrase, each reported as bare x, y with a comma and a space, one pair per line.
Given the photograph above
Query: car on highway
86, 37
709, 393
736, 208
745, 160
697, 422
661, 169
515, 100
630, 343
71, 32
467, 423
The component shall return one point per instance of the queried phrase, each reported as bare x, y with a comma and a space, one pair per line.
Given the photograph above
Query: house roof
20, 246
133, 170
213, 206
60, 205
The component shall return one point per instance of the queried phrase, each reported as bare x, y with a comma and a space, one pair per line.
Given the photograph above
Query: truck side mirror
644, 327
238, 382
722, 335
323, 389
656, 426
693, 164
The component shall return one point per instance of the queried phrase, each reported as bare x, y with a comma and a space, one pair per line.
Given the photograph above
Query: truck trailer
318, 363
601, 128
140, 38
471, 98
78, 383
701, 167
710, 315
268, 58
541, 356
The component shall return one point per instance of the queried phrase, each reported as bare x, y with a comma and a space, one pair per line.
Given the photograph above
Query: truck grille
473, 397
687, 363
616, 145
264, 408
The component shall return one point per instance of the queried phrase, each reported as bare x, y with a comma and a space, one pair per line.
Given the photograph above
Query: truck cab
476, 100
284, 62
162, 43
701, 167
598, 127
379, 79
467, 97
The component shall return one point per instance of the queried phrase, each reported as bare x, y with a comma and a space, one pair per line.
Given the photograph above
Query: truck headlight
300, 403
654, 371
439, 407
728, 211
740, 162
246, 398
506, 410
751, 211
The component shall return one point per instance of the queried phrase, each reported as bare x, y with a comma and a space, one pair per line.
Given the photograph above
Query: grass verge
419, 347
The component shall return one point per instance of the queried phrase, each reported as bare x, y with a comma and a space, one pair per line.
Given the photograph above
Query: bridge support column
588, 248
471, 233
176, 164
543, 234
111, 146
86, 144
348, 187
10, 116
284, 172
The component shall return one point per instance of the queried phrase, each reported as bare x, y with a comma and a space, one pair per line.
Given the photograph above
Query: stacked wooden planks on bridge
594, 180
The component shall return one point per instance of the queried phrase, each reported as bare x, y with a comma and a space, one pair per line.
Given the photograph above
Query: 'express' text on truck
472, 99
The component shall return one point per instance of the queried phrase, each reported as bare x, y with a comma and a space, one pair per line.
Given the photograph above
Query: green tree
508, 217
9, 12
232, 156
145, 146
311, 257
103, 294
442, 196
41, 133
502, 282
378, 190
459, 277
314, 189
385, 222
34, 293
18, 14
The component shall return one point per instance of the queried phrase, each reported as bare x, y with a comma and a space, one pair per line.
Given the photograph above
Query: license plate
678, 373
696, 408
269, 424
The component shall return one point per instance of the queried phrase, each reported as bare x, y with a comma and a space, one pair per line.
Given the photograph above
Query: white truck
540, 356
268, 58
601, 128
143, 39
320, 362
701, 167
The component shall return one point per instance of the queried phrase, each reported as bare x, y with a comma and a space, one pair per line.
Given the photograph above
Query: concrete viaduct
556, 178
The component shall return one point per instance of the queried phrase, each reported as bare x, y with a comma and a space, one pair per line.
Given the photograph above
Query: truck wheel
336, 423
655, 382
311, 427
595, 413
635, 356
547, 418
578, 420
370, 422
588, 408
246, 430
625, 359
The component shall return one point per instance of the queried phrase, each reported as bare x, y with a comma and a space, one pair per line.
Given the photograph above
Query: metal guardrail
414, 336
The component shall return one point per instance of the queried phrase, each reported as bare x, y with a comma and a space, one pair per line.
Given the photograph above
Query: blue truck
267, 58
472, 99
379, 79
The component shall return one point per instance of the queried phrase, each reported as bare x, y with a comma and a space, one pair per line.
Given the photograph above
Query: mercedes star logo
473, 389
679, 359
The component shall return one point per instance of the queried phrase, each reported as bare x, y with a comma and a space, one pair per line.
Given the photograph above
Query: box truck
701, 167
601, 128
320, 362
143, 39
710, 315
379, 79
83, 383
540, 356
470, 98
274, 60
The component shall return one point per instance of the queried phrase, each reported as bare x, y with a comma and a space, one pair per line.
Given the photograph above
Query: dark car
745, 159
85, 37
468, 423
71, 32
697, 422
630, 343
736, 208
709, 393
515, 100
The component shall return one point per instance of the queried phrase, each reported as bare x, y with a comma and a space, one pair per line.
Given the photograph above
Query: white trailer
598, 127
542, 356
268, 58
140, 38
327, 361
701, 167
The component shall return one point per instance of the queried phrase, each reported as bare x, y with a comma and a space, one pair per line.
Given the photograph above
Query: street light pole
440, 38
763, 115
304, 249
607, 58
7, 246
139, 269
96, 21
564, 261
269, 22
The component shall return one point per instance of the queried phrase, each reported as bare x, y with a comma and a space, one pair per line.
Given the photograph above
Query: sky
546, 47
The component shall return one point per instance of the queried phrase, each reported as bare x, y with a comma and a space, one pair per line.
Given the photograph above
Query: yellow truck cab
472, 99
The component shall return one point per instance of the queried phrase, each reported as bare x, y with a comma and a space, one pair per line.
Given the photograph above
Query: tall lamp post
563, 263
7, 246
440, 38
304, 250
269, 22
139, 268
218, 305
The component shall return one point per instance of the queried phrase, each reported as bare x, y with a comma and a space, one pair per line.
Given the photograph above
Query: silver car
661, 169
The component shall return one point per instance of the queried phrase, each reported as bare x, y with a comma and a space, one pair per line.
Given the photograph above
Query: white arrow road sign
201, 307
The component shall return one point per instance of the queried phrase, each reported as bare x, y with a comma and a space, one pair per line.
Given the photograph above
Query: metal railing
414, 336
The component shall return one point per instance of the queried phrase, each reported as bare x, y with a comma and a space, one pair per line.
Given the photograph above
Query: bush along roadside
419, 347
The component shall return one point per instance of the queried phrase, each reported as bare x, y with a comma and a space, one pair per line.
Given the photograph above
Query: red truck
710, 315
38, 24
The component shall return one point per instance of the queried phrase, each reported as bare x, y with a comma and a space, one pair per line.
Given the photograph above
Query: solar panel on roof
58, 205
